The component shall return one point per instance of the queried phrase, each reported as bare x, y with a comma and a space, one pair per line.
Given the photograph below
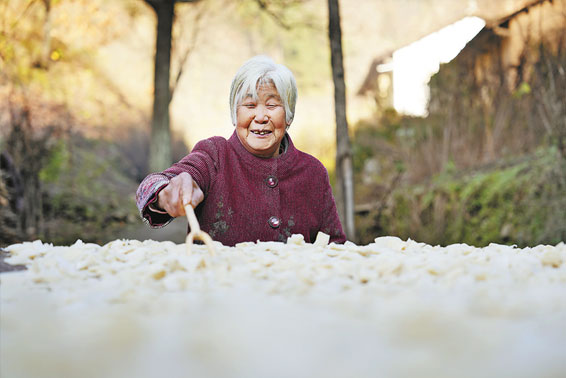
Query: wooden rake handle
196, 232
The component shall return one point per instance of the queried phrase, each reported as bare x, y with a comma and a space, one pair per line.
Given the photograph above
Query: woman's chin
261, 146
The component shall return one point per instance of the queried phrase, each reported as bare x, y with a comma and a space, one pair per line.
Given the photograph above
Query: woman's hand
181, 189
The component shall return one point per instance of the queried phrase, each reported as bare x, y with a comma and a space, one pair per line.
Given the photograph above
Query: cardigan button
274, 222
271, 181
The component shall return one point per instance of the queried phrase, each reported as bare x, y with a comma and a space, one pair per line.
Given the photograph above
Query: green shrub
521, 203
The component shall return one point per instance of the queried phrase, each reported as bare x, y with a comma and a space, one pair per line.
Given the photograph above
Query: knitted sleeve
201, 164
330, 220
147, 193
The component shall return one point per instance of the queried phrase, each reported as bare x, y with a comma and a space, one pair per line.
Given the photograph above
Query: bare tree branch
195, 29
17, 20
266, 6
277, 18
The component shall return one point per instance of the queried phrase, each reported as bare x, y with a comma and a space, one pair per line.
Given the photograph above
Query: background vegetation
473, 171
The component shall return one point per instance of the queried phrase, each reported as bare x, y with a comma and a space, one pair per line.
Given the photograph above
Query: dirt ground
5, 267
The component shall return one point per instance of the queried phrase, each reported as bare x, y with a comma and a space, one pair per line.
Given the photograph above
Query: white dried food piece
403, 299
322, 239
390, 242
337, 247
297, 239
552, 258
244, 245
24, 253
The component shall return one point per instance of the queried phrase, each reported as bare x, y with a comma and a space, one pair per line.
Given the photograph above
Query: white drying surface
392, 308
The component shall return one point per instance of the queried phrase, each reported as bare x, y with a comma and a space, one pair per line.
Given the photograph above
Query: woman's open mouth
261, 132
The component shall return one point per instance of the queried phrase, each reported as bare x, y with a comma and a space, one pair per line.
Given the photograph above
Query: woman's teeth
263, 132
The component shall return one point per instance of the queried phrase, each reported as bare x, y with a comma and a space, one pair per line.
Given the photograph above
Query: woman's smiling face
261, 123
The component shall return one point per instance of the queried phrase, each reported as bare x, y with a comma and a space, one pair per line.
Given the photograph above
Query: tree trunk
344, 166
46, 43
160, 144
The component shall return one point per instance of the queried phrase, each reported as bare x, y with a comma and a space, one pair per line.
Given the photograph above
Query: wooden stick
196, 232
193, 221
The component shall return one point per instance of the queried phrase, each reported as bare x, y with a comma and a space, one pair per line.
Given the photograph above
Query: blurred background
456, 110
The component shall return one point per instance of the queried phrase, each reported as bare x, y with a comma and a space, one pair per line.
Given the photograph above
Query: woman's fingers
181, 189
198, 195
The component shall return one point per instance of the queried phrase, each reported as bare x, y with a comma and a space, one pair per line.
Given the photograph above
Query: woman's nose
261, 115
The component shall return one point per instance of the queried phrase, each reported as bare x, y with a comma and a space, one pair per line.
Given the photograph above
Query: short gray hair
261, 70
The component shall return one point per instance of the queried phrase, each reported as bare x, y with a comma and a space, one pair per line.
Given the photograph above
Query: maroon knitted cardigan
248, 198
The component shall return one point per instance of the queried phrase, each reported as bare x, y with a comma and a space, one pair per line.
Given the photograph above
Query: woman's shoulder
310, 164
214, 146
212, 142
308, 158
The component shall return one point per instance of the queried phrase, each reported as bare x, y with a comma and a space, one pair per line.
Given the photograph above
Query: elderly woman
256, 185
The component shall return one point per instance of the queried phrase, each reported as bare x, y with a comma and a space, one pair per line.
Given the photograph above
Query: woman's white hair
261, 70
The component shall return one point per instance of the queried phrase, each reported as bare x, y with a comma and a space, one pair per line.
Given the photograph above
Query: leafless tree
344, 166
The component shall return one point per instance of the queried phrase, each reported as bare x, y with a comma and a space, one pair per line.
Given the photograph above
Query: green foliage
519, 203
56, 163
90, 194
523, 89
50, 52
